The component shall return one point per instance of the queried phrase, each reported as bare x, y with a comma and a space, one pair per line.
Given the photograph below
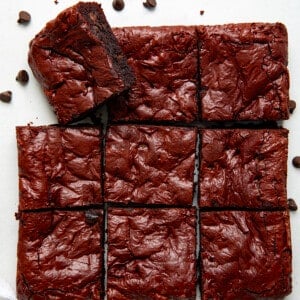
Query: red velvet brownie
245, 255
150, 164
151, 254
245, 168
78, 62
243, 71
59, 166
164, 62
60, 255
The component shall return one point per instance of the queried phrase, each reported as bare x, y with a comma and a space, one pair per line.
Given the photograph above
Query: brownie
150, 164
78, 62
243, 70
59, 166
151, 254
245, 255
164, 61
244, 168
60, 255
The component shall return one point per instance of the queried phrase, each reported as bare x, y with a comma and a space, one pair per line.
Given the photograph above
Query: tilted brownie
150, 164
59, 166
245, 255
243, 71
151, 254
164, 61
244, 168
60, 255
78, 62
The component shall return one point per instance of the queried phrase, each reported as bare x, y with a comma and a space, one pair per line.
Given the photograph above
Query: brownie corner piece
151, 254
150, 164
59, 167
245, 255
60, 255
244, 73
78, 61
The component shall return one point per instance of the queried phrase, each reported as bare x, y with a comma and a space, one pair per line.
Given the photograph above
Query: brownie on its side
151, 254
150, 164
77, 60
245, 168
60, 255
243, 71
245, 255
59, 166
164, 61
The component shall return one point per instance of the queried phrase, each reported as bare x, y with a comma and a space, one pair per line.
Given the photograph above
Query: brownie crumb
296, 161
118, 4
150, 3
24, 17
56, 1
22, 76
201, 12
6, 96
292, 106
292, 204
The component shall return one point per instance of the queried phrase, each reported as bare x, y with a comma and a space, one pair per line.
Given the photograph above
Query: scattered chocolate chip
6, 96
91, 217
292, 106
201, 12
24, 17
292, 204
150, 3
118, 4
22, 76
55, 1
296, 161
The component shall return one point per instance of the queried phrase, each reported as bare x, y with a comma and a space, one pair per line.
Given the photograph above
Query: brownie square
78, 62
245, 255
59, 166
243, 71
151, 254
164, 62
245, 168
60, 255
150, 164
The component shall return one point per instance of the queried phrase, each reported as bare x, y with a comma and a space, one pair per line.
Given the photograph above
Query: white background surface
29, 104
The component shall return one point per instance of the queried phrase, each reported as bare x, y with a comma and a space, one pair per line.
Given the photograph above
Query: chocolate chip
201, 12
292, 106
24, 17
296, 161
22, 76
6, 96
292, 204
91, 217
150, 3
55, 1
118, 4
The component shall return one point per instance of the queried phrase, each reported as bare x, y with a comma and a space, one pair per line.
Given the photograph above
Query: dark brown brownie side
245, 255
59, 166
243, 168
60, 255
151, 254
164, 61
78, 62
150, 164
243, 71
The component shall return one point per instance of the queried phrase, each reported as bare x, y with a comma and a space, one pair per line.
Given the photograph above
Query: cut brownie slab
59, 166
150, 164
243, 71
245, 255
244, 168
164, 61
78, 62
60, 255
151, 254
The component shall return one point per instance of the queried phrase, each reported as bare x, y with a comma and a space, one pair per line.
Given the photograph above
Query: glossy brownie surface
245, 255
150, 164
151, 254
60, 255
59, 166
244, 168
